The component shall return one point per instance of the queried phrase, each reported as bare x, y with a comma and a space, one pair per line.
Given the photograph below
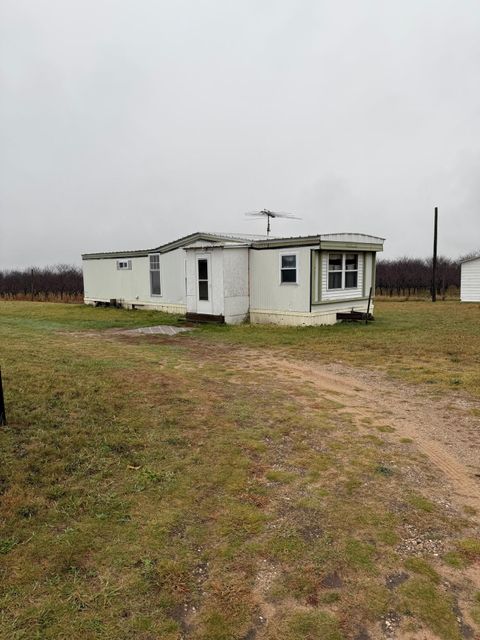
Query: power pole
434, 263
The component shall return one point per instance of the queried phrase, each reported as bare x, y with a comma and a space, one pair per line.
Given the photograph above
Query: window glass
351, 279
155, 283
289, 262
288, 269
203, 289
335, 280
203, 269
202, 279
155, 289
335, 262
289, 275
351, 262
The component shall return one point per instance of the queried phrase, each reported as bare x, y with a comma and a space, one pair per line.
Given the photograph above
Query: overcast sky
126, 124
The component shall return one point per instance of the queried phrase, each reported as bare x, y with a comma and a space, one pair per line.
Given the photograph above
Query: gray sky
125, 124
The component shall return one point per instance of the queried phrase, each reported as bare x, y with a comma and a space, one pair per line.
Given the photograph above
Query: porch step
204, 318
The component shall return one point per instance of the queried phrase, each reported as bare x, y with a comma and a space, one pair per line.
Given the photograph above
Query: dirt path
444, 428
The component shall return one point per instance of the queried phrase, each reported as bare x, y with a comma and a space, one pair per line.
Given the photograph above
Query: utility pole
434, 262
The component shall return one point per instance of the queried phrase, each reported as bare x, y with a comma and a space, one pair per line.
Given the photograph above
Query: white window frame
123, 264
343, 270
281, 255
150, 271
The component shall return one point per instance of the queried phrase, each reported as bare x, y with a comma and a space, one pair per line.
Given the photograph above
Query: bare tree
412, 276
59, 282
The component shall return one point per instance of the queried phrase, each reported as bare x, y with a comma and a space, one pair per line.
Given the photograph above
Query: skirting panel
325, 316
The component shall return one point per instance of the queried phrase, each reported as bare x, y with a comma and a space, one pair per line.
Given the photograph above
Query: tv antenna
266, 213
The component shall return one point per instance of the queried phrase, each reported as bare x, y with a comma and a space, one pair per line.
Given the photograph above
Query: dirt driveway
446, 427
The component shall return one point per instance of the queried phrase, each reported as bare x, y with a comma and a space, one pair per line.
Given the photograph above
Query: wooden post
31, 284
434, 263
3, 417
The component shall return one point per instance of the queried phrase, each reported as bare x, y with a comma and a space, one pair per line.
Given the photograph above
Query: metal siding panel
470, 281
266, 292
103, 281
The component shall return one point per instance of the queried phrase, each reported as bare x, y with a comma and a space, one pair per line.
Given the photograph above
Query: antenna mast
266, 213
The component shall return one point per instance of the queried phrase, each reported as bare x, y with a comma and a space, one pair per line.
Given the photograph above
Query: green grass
151, 489
434, 608
422, 567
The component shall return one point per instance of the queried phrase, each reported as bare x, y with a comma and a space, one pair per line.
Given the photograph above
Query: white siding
103, 281
229, 282
368, 271
235, 283
266, 292
340, 294
218, 306
470, 281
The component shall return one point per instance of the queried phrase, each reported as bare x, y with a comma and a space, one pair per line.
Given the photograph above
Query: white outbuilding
470, 280
234, 278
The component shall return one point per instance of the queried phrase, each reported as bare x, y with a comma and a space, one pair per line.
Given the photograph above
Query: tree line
413, 276
395, 277
59, 282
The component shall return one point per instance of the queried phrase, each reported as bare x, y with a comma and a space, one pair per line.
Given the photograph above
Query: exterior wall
103, 282
320, 315
218, 306
236, 285
369, 275
266, 292
228, 286
470, 281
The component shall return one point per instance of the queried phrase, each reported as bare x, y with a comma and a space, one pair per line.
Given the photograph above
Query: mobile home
235, 278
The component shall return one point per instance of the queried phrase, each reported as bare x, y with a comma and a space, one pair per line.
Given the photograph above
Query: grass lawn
150, 490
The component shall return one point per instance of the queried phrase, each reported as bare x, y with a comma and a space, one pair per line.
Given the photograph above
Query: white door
204, 284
